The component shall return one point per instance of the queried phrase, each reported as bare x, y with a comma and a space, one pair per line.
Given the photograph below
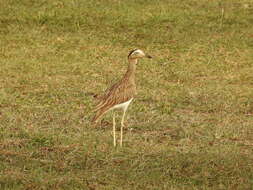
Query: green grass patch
190, 126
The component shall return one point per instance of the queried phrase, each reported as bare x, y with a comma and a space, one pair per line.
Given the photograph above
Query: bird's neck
131, 69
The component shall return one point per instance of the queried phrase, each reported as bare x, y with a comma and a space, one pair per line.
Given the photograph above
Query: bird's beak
148, 56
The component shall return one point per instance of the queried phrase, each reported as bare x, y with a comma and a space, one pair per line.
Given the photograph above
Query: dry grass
190, 126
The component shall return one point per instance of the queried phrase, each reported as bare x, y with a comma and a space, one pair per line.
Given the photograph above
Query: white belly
123, 106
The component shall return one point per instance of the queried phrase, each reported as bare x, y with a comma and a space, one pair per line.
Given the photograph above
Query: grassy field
190, 127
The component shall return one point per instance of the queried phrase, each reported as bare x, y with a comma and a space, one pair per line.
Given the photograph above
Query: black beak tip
148, 56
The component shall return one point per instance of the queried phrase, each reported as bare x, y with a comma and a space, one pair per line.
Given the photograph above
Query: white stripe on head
137, 53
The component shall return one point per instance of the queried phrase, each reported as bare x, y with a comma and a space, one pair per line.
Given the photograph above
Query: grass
190, 127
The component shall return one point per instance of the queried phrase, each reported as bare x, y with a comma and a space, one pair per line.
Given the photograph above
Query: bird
120, 94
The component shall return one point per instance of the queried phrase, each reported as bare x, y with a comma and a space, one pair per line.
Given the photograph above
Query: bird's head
137, 53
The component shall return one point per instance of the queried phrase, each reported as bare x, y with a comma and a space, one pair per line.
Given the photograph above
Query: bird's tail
95, 119
98, 115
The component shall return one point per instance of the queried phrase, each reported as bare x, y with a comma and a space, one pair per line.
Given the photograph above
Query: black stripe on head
131, 52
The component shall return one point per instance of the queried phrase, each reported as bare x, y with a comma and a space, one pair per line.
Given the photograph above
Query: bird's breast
123, 105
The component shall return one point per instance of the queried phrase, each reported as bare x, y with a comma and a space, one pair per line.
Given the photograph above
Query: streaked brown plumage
120, 93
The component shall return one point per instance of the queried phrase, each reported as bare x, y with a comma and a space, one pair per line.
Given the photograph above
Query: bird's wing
117, 94
106, 93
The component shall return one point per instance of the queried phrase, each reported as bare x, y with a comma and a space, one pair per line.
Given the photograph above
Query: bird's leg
122, 125
114, 130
